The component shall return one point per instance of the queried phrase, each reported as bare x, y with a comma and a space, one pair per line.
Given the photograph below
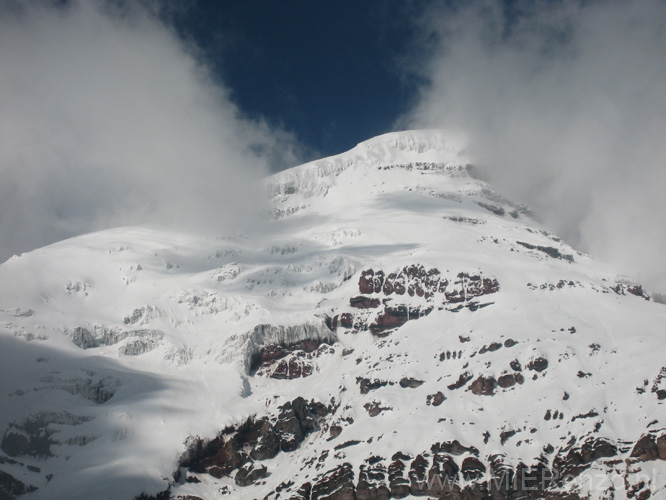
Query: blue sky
331, 72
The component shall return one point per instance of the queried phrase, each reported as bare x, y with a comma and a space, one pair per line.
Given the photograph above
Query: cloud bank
108, 118
565, 103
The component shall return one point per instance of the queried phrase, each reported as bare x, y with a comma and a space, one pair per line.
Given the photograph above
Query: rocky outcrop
289, 362
239, 447
249, 474
484, 386
366, 385
462, 380
415, 280
649, 447
267, 343
410, 382
374, 408
550, 251
538, 364
372, 484
573, 460
10, 487
509, 380
440, 475
379, 306
337, 484
622, 288
435, 399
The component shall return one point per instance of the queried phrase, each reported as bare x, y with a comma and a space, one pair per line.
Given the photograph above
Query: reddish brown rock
442, 474
538, 364
462, 380
250, 473
335, 431
362, 302
337, 484
435, 399
372, 482
375, 408
411, 383
371, 282
418, 476
346, 320
292, 368
365, 282
483, 386
645, 449
273, 352
454, 448
398, 482
661, 446
366, 385
509, 380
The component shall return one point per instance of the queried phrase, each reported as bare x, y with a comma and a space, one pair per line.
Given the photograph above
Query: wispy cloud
108, 118
565, 102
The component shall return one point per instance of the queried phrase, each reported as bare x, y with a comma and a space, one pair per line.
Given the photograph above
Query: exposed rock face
375, 408
398, 481
269, 342
449, 470
462, 380
338, 484
538, 364
509, 380
472, 468
363, 302
289, 362
10, 487
550, 251
409, 382
249, 474
366, 385
650, 447
414, 281
255, 440
484, 386
454, 448
435, 399
579, 458
645, 449
633, 289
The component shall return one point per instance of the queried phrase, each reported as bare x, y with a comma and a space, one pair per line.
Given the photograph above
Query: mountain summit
402, 330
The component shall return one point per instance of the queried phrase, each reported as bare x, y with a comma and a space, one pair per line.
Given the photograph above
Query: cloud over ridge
108, 118
565, 103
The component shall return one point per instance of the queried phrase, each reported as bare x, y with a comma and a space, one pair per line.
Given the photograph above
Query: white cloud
565, 102
108, 118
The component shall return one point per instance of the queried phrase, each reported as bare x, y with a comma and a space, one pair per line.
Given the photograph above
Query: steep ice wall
245, 347
396, 148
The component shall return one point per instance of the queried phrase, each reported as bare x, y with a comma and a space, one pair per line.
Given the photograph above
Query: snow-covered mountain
401, 330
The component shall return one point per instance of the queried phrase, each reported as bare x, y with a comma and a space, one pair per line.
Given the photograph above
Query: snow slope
405, 301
